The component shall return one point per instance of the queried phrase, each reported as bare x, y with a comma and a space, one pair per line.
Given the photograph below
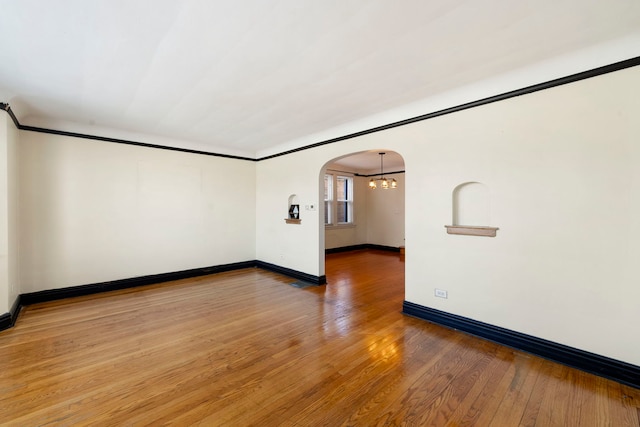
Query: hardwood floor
247, 348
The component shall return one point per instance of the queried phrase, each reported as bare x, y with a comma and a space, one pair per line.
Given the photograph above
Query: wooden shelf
472, 230
292, 221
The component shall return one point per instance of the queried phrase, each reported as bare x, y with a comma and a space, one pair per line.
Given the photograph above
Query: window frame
328, 199
331, 202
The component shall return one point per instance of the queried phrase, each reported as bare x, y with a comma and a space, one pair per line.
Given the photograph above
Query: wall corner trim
612, 369
316, 280
7, 320
6, 107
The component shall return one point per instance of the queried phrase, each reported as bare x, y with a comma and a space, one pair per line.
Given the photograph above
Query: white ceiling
253, 77
368, 163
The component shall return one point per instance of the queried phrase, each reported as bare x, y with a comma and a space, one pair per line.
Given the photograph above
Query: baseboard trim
94, 288
384, 248
7, 320
15, 310
316, 280
346, 249
361, 247
612, 369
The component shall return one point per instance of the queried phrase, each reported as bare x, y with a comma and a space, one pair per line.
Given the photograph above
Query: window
344, 199
338, 199
328, 198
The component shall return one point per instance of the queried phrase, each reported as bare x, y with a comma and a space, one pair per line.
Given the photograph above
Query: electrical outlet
440, 293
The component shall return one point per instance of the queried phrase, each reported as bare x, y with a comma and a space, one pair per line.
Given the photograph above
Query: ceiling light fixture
384, 182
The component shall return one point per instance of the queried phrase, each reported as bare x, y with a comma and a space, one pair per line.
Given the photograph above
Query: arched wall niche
471, 204
470, 210
293, 210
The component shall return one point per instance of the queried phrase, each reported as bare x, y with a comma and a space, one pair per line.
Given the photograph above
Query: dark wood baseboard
316, 280
346, 249
616, 370
361, 247
76, 291
7, 320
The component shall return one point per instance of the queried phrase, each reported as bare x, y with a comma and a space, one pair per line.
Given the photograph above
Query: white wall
4, 214
385, 210
562, 167
94, 211
342, 236
294, 246
9, 286
13, 212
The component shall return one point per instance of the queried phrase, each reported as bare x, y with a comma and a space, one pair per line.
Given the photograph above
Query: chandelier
384, 182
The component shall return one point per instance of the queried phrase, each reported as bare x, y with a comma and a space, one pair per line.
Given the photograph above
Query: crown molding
595, 72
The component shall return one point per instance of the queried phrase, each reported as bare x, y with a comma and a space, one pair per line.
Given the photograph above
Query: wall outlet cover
440, 293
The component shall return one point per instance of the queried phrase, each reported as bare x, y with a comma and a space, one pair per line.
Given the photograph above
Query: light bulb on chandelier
384, 182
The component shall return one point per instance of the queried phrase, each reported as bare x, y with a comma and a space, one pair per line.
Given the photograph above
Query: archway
354, 216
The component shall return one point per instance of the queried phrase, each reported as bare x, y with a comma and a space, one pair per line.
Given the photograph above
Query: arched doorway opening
352, 215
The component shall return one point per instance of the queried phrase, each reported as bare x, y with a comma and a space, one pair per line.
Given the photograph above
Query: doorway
355, 216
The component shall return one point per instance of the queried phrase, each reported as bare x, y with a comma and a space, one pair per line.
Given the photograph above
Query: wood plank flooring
246, 348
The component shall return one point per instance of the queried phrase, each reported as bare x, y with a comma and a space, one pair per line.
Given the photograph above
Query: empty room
296, 213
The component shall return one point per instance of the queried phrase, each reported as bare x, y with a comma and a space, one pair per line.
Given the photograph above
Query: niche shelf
472, 230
